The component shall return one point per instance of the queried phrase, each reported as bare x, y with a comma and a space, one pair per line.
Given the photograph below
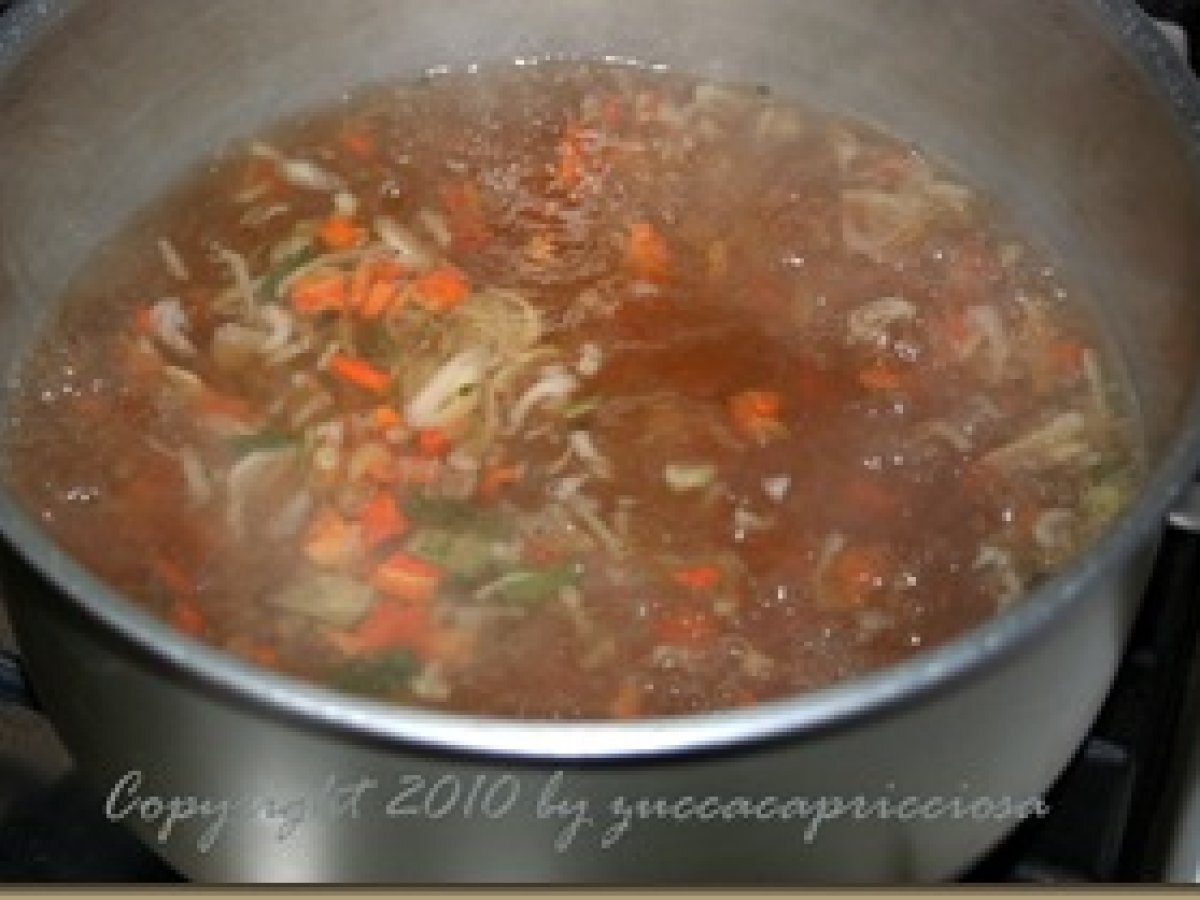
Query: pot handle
1185, 515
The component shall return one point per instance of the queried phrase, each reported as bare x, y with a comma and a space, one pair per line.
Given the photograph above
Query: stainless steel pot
1075, 113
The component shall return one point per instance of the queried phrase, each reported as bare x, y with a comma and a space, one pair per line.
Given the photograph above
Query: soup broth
572, 391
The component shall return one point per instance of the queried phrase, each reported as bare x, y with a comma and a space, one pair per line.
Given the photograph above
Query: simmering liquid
572, 391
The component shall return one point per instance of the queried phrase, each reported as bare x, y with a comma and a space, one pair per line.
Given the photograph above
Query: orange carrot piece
433, 442
697, 578
381, 520
756, 414
331, 541
264, 655
381, 295
174, 577
360, 286
388, 626
386, 417
695, 628
627, 704
187, 617
388, 269
341, 233
407, 577
570, 156
1066, 357
227, 406
648, 255
321, 290
359, 372
442, 289
881, 377
143, 320
360, 143
496, 478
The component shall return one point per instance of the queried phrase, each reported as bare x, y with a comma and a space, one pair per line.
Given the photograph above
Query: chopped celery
267, 439
689, 476
463, 554
532, 585
268, 288
376, 674
336, 599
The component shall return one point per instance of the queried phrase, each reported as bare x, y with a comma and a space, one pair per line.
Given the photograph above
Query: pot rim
842, 705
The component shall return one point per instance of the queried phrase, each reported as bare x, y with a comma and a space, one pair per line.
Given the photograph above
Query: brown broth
934, 428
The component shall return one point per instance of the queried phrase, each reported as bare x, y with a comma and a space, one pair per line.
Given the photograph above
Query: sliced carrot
756, 414
174, 577
386, 417
442, 289
360, 286
381, 296
264, 655
571, 156
359, 372
318, 291
360, 143
388, 626
187, 617
648, 255
214, 403
406, 577
881, 377
694, 628
341, 233
496, 478
388, 269
463, 203
627, 704
1066, 357
381, 520
143, 320
751, 405
697, 578
332, 542
433, 442
570, 164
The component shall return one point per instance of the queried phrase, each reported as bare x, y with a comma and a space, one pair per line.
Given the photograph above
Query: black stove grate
1111, 811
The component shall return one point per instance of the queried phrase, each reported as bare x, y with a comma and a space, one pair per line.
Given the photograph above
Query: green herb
454, 515
581, 408
268, 439
376, 674
466, 555
268, 288
533, 585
